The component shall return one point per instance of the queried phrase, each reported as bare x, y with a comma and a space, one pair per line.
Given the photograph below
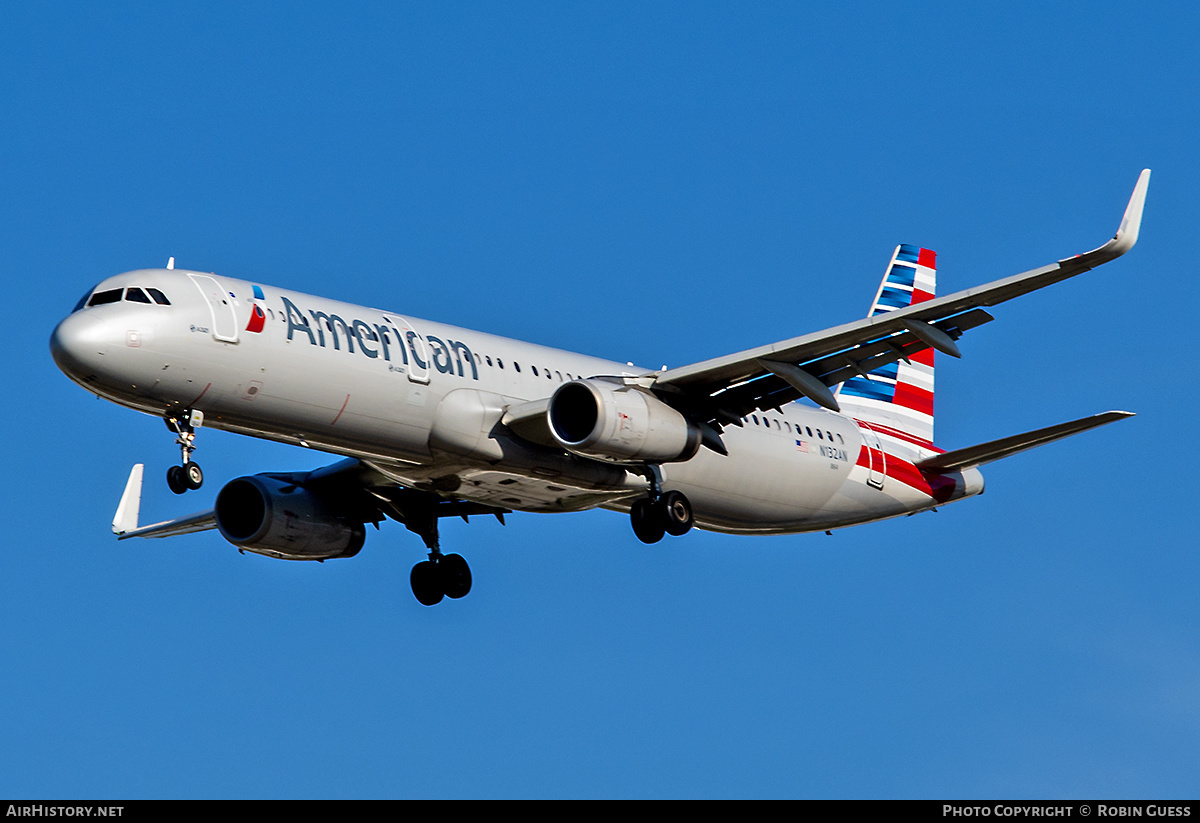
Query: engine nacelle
601, 419
266, 515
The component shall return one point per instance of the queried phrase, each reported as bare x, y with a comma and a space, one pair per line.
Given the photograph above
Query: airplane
815, 433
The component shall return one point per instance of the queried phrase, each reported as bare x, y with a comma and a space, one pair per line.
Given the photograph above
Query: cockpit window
102, 297
132, 295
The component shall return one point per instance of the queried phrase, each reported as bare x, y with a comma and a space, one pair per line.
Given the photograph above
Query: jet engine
601, 419
278, 518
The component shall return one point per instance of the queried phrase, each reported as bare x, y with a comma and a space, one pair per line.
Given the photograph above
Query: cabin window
499, 362
754, 417
534, 370
516, 365
488, 358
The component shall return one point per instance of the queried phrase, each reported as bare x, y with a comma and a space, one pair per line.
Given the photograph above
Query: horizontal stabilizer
125, 522
1005, 446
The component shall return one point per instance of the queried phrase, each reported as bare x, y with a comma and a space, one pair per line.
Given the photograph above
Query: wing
366, 491
125, 522
723, 390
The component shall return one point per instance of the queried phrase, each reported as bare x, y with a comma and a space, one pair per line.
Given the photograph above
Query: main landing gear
442, 575
189, 475
661, 513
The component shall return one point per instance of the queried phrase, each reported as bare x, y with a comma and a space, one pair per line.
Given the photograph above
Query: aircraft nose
79, 344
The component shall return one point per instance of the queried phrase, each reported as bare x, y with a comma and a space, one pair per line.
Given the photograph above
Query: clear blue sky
656, 182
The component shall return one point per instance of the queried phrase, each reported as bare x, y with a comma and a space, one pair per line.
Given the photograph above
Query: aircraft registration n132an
436, 421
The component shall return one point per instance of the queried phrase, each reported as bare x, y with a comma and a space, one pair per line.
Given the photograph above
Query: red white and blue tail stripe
896, 400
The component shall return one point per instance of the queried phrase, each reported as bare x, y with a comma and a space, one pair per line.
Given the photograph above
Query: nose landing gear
189, 475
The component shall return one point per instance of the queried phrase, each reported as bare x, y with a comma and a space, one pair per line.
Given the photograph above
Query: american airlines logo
257, 318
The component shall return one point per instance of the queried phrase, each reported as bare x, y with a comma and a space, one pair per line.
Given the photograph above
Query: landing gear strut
660, 513
189, 475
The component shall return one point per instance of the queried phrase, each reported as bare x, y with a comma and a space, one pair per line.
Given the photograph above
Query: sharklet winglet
126, 518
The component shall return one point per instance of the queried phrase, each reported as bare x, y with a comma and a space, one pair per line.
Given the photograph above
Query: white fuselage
423, 402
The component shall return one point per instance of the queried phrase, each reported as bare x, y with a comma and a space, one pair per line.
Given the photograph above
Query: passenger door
220, 304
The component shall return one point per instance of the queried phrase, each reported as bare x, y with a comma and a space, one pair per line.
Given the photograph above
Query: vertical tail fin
897, 399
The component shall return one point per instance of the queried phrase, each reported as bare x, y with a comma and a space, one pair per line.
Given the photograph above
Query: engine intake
601, 419
277, 518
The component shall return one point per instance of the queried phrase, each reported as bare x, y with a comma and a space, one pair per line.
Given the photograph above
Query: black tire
426, 583
177, 480
193, 475
647, 521
676, 513
455, 575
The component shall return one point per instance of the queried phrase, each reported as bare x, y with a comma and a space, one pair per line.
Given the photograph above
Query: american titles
386, 341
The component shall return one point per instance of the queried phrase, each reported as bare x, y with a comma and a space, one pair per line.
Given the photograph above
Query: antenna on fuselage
171, 263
